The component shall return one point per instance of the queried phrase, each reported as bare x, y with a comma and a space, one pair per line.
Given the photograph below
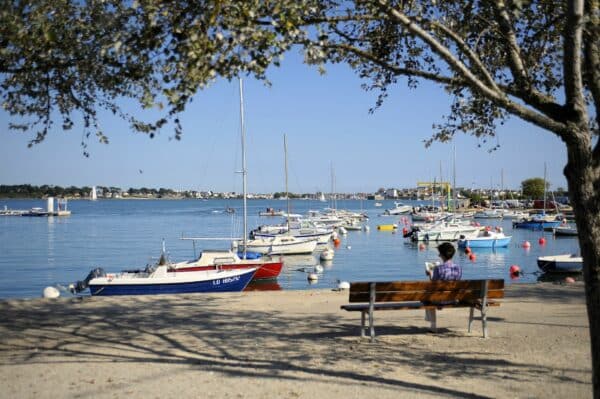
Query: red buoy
472, 257
404, 231
467, 250
337, 242
542, 241
514, 269
526, 244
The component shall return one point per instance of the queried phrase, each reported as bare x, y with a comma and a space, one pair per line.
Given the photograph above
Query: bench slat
408, 306
423, 285
429, 295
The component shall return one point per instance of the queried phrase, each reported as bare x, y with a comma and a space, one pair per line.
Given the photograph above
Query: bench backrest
432, 291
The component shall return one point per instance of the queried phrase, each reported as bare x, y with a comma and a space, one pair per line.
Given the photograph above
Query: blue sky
327, 123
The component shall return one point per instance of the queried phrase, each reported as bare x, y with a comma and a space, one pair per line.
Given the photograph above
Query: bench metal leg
372, 309
432, 320
372, 327
362, 324
484, 321
471, 317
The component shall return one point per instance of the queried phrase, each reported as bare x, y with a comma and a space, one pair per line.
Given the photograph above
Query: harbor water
126, 234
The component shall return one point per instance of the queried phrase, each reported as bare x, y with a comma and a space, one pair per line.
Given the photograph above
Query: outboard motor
80, 286
410, 233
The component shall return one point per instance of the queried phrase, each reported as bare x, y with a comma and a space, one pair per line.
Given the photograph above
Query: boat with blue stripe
536, 223
488, 239
161, 280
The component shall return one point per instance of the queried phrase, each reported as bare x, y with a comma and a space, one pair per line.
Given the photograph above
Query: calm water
119, 234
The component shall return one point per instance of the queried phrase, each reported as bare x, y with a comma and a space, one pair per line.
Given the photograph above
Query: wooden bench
367, 297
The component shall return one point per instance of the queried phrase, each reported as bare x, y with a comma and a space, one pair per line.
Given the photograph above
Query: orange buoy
467, 250
526, 244
337, 242
514, 269
472, 257
542, 241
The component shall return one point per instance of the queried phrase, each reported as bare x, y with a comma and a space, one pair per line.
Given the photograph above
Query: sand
291, 344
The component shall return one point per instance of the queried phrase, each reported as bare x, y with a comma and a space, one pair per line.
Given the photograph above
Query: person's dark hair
446, 250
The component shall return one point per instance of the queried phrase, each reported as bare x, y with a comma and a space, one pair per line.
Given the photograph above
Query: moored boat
271, 212
565, 230
485, 239
279, 245
398, 209
565, 263
267, 268
537, 223
159, 280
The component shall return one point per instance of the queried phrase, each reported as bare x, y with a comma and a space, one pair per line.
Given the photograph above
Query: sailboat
286, 243
539, 222
268, 268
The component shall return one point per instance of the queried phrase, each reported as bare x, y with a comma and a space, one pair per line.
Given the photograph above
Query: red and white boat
267, 267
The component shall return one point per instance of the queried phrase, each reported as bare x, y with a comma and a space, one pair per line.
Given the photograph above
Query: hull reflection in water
263, 285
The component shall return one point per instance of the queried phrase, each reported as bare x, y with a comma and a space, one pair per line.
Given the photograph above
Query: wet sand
291, 344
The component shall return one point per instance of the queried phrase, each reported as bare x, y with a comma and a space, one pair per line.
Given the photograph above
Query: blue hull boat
485, 242
162, 281
534, 224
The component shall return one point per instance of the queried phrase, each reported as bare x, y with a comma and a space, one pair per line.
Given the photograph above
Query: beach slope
291, 344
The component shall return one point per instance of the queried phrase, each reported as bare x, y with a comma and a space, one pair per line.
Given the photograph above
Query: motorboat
278, 245
158, 279
510, 214
398, 209
565, 263
565, 230
36, 212
442, 231
485, 239
489, 214
267, 268
537, 222
271, 212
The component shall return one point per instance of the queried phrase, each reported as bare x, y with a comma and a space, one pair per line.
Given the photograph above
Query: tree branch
591, 53
572, 62
394, 68
472, 81
473, 58
515, 61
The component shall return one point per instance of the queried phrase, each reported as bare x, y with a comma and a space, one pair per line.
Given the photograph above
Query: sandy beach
291, 344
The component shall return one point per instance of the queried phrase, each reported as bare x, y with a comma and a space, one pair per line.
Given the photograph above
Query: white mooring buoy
51, 292
344, 285
327, 254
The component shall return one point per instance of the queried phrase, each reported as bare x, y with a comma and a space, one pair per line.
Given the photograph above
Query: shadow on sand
196, 331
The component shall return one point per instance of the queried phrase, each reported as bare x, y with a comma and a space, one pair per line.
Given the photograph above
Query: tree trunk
583, 176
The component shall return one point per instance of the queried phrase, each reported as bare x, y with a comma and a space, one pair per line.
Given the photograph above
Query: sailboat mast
544, 188
287, 193
244, 186
454, 196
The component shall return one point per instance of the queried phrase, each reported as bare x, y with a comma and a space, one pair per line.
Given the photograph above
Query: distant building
391, 193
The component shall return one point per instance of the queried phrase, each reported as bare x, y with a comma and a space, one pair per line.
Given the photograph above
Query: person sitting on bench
447, 271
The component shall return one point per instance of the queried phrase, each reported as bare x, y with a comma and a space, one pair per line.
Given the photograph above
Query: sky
329, 129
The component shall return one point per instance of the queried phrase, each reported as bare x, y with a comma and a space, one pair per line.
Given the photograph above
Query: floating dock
61, 209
